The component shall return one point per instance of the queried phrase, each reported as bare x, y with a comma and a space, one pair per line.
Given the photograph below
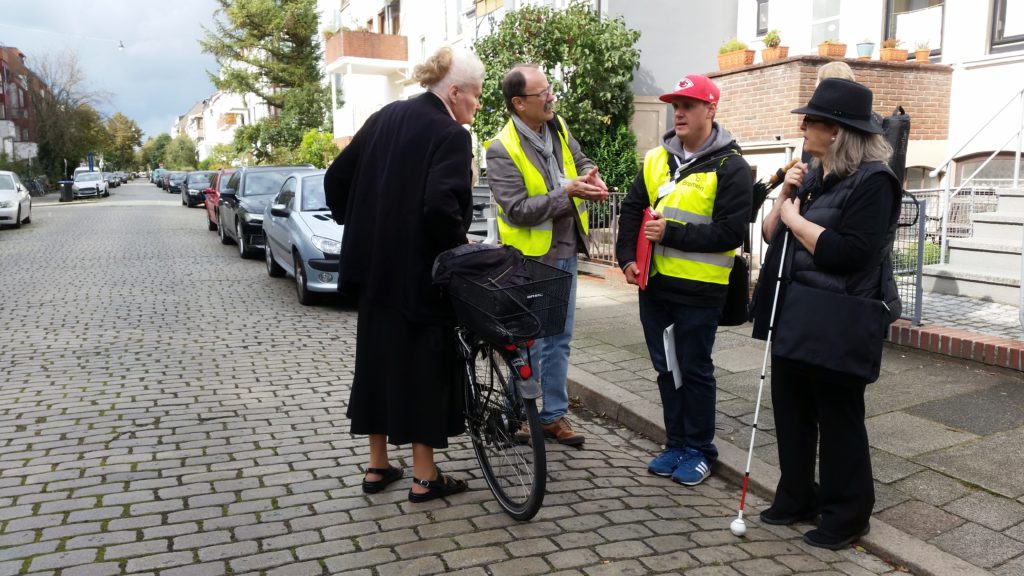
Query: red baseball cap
694, 86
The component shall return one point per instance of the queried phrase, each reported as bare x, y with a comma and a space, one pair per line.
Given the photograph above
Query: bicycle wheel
515, 471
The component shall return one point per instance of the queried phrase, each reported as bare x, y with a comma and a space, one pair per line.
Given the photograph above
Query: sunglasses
813, 120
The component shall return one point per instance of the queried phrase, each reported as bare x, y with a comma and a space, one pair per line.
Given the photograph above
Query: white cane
738, 526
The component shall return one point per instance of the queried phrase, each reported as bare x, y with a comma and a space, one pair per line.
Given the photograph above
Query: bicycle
498, 319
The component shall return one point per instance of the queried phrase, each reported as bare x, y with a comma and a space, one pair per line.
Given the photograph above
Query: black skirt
406, 382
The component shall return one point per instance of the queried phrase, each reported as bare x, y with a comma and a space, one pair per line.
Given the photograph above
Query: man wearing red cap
700, 189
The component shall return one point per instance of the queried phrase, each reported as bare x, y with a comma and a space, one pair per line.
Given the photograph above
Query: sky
158, 76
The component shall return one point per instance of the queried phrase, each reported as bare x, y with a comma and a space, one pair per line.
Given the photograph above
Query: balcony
349, 44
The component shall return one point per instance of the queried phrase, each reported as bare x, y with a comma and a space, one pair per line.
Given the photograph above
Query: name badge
666, 188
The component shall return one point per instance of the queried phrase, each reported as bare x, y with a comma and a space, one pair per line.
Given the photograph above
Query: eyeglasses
543, 94
812, 120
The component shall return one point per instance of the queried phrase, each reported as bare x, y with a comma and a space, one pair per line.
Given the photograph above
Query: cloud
160, 73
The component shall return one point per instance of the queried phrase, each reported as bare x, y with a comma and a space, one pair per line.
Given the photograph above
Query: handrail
945, 163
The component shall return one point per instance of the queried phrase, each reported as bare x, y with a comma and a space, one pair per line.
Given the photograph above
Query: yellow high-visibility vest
535, 240
692, 201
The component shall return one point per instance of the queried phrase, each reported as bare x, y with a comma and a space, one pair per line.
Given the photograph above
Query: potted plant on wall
923, 52
891, 51
772, 49
832, 48
865, 48
734, 54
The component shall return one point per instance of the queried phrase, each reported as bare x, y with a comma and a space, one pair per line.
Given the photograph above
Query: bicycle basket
517, 304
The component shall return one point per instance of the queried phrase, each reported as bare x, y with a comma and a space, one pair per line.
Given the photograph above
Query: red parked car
213, 196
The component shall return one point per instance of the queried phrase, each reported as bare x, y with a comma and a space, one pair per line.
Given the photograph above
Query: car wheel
183, 201
274, 269
28, 219
17, 219
243, 248
306, 297
224, 239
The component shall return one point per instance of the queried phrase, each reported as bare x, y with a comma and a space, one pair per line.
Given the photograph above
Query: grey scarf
542, 143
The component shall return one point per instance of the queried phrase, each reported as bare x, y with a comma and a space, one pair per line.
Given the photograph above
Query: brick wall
756, 99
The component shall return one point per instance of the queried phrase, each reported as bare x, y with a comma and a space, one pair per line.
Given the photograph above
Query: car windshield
178, 177
200, 179
313, 194
6, 182
88, 177
264, 183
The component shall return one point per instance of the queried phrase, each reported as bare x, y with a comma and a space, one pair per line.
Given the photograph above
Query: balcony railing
348, 43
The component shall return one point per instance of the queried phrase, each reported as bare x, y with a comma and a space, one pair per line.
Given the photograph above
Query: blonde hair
836, 69
446, 68
852, 148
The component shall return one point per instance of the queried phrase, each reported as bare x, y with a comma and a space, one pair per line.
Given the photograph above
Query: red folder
644, 247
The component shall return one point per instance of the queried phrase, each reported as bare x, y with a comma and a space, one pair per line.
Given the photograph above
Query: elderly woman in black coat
841, 214
403, 190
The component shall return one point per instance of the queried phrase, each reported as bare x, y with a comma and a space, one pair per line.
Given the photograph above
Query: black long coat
403, 190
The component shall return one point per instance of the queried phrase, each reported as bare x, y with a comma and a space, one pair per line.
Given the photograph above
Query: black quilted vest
825, 209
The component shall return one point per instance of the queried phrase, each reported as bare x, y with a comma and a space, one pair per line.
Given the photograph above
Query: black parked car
243, 200
175, 180
193, 189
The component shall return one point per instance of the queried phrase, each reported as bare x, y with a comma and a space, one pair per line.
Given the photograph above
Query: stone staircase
987, 265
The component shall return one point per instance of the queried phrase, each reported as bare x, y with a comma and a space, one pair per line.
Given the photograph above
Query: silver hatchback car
302, 239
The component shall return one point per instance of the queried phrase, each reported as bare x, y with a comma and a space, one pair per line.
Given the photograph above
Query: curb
959, 343
645, 417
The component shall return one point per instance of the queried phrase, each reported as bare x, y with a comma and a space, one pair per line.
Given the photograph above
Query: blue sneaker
693, 469
664, 464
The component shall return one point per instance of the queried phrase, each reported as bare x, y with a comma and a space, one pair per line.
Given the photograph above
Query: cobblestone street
167, 408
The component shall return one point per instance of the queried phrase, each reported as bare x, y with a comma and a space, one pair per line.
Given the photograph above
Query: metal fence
972, 200
604, 228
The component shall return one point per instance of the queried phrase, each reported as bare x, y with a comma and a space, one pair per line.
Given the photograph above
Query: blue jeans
550, 357
689, 412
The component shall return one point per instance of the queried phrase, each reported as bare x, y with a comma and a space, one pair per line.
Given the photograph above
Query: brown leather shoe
562, 431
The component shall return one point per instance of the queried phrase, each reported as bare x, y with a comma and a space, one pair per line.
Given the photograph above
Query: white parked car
15, 201
89, 184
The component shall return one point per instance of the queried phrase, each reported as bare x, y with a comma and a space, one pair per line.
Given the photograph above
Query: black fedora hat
843, 102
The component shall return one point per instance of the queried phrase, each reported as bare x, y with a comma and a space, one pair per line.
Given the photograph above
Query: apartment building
17, 116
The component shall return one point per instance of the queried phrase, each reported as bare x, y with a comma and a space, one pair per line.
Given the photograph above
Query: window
485, 7
915, 22
824, 21
762, 17
998, 173
1007, 25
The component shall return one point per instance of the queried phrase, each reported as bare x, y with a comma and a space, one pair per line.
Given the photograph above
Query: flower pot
735, 59
832, 50
923, 55
892, 54
865, 50
774, 53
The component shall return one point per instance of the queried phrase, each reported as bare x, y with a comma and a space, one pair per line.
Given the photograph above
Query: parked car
15, 201
89, 184
156, 177
243, 200
110, 180
213, 195
194, 187
173, 180
302, 238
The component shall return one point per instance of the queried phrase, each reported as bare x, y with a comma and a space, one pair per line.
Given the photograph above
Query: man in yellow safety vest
700, 189
542, 182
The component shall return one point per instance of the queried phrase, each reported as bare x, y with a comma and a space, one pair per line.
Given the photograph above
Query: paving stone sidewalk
946, 435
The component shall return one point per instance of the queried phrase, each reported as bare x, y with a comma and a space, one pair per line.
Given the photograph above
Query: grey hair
447, 68
852, 148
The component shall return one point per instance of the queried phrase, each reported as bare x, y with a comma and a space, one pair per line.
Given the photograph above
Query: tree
271, 48
151, 155
67, 123
124, 136
590, 62
317, 148
221, 156
180, 153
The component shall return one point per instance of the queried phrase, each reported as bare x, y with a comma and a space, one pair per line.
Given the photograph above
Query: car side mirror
279, 210
227, 192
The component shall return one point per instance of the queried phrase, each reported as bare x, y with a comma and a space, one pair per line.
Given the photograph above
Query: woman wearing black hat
840, 213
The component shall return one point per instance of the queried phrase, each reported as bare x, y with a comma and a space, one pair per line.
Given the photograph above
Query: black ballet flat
389, 475
777, 518
819, 539
443, 486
